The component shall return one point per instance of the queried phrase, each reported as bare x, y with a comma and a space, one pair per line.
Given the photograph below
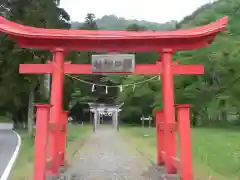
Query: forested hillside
113, 22
215, 95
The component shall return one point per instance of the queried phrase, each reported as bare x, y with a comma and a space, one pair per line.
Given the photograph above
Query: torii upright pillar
168, 108
167, 71
56, 102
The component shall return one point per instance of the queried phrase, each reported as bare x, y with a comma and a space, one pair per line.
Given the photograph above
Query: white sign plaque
113, 63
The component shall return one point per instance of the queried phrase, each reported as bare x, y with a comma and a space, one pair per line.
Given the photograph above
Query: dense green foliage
215, 95
15, 88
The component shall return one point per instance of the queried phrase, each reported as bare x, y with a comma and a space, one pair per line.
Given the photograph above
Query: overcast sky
151, 10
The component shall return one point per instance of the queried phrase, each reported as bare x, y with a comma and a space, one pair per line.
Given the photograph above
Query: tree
17, 89
90, 22
136, 27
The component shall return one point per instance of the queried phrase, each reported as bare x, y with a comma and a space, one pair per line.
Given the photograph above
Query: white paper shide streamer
103, 85
106, 89
134, 87
121, 88
93, 87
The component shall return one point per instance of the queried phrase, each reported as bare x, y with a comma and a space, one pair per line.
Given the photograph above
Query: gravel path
106, 156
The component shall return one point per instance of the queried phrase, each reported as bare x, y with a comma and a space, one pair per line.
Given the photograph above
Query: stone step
172, 177
156, 172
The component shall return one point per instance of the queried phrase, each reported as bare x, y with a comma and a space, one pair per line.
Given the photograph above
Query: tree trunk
31, 111
223, 110
194, 118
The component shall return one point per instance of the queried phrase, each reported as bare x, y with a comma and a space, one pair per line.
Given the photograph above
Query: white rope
104, 85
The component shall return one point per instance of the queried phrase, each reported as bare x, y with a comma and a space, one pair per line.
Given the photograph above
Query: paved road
8, 144
106, 156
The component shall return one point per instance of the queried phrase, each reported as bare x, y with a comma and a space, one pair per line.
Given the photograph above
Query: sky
160, 11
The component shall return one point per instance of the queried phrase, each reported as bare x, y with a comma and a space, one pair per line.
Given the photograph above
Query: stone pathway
106, 156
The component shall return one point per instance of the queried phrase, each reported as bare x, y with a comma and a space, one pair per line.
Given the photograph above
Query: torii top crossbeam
102, 40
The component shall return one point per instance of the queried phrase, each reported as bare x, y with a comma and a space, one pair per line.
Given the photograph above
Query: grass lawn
216, 152
23, 168
4, 119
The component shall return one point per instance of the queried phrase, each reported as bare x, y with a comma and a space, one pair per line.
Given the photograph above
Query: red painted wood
171, 126
40, 150
168, 108
35, 68
87, 69
160, 137
120, 46
112, 40
49, 163
163, 155
185, 142
38, 68
148, 69
56, 101
32, 32
176, 163
163, 116
188, 69
64, 120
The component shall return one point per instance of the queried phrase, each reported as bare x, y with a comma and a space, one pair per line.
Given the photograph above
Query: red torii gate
60, 41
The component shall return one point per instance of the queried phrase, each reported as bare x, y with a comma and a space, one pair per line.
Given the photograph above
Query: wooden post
98, 118
160, 137
102, 119
40, 148
114, 119
63, 137
90, 116
117, 120
149, 121
56, 101
185, 141
168, 108
142, 119
94, 120
161, 159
